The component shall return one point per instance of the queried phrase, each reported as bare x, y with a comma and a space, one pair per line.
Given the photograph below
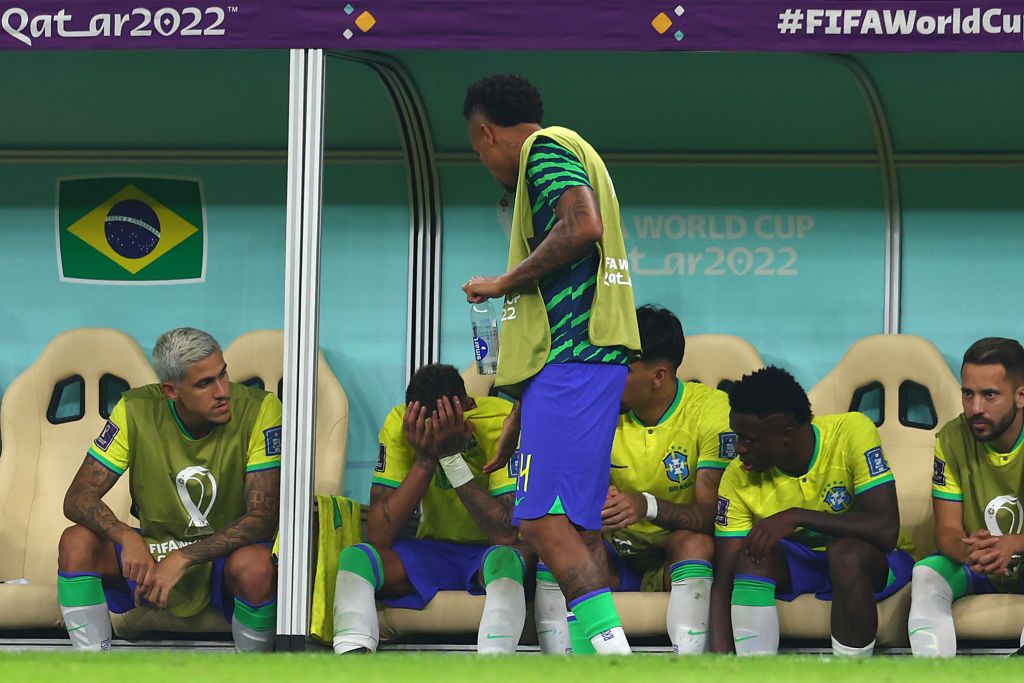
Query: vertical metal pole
301, 322
890, 193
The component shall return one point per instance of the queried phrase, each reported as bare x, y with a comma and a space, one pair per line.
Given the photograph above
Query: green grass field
189, 667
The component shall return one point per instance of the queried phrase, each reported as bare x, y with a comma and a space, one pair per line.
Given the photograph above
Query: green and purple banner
601, 25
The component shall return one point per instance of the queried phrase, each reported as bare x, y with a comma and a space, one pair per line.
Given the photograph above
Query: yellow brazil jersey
443, 515
847, 461
663, 459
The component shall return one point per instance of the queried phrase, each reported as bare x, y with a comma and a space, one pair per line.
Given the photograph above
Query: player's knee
251, 574
363, 560
849, 560
78, 549
689, 545
745, 565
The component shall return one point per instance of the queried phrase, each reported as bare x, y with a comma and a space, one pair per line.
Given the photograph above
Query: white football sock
550, 616
88, 627
355, 614
501, 624
931, 614
840, 650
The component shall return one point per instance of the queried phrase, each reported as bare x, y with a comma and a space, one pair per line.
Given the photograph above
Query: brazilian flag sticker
131, 230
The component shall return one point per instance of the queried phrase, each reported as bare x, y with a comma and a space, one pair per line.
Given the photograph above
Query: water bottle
485, 337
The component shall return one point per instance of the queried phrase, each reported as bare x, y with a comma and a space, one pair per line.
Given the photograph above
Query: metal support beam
890, 193
301, 323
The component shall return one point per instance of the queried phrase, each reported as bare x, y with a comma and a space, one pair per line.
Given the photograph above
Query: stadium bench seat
718, 360
257, 359
50, 415
477, 384
904, 385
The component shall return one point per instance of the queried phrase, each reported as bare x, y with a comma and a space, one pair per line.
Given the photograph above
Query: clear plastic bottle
485, 337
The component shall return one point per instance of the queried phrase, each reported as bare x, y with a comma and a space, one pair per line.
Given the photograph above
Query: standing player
671, 446
977, 494
808, 507
203, 459
464, 540
569, 332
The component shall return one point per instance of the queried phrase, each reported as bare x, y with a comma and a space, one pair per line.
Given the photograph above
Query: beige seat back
718, 360
886, 376
259, 356
46, 439
477, 384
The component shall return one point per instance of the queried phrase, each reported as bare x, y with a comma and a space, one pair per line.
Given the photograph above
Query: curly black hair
661, 335
505, 100
434, 381
770, 391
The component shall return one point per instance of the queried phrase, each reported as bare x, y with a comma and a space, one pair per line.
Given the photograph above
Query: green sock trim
578, 640
257, 617
753, 593
501, 562
596, 614
546, 576
80, 591
955, 574
363, 560
556, 507
691, 570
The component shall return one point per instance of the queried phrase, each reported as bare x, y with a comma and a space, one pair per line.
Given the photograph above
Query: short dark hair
998, 351
661, 335
435, 381
770, 391
506, 100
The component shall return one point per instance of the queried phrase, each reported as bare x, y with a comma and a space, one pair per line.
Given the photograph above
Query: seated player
671, 445
809, 506
203, 457
432, 453
977, 493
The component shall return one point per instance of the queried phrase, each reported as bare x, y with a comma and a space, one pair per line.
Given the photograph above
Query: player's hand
162, 579
479, 289
993, 554
769, 531
417, 429
451, 431
975, 538
622, 509
136, 560
508, 441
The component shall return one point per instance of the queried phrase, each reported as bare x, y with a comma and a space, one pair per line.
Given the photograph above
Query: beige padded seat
713, 358
41, 458
477, 384
889, 361
261, 354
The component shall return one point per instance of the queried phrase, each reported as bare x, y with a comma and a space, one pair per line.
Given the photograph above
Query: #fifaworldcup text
897, 22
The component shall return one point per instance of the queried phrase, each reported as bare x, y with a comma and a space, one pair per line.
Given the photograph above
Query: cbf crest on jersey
676, 467
838, 498
131, 229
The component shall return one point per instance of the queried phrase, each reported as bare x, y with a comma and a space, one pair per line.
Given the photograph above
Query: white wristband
652, 506
456, 469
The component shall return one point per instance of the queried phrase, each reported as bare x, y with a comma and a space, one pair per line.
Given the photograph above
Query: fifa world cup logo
1004, 515
197, 480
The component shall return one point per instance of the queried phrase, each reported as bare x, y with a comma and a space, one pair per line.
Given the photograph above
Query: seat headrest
717, 360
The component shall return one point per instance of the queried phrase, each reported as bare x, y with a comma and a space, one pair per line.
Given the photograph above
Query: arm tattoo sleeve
83, 502
262, 501
492, 514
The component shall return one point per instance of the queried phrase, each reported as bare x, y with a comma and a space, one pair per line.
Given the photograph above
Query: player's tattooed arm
83, 503
262, 506
720, 639
391, 509
698, 516
692, 517
578, 228
493, 514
